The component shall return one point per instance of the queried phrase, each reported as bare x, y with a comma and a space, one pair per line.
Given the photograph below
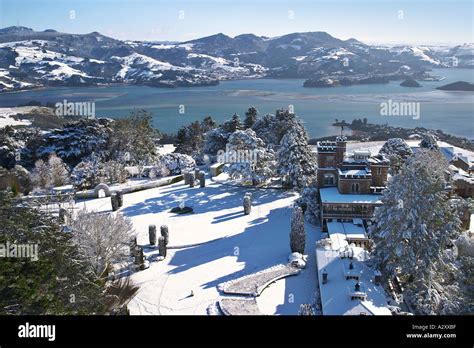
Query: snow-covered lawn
215, 244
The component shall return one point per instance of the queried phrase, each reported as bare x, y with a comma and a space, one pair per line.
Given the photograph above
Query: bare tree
103, 239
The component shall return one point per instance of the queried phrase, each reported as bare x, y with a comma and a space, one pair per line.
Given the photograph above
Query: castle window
355, 188
328, 180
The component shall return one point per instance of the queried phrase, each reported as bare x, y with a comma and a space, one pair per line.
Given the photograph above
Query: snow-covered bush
297, 260
297, 235
87, 174
176, 163
92, 171
158, 170
102, 239
306, 309
114, 172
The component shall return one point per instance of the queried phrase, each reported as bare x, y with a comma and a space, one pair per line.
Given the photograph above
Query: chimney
325, 276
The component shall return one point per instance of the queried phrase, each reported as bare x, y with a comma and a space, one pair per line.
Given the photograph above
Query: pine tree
44, 286
397, 151
413, 232
250, 117
429, 141
233, 124
297, 235
295, 161
250, 160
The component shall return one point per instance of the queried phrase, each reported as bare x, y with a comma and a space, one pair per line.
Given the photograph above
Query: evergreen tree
413, 232
297, 234
233, 124
429, 141
135, 136
58, 282
249, 159
250, 117
295, 161
397, 151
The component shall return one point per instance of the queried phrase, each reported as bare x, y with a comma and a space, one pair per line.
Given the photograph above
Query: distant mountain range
30, 59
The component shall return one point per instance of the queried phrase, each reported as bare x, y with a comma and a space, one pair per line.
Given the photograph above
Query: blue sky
371, 21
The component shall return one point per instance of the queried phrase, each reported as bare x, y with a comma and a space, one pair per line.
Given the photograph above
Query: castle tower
340, 149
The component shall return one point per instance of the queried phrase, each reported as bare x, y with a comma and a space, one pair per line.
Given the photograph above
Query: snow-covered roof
336, 293
347, 229
332, 195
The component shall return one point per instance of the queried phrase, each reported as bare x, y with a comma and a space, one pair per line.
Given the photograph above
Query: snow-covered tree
41, 174
429, 141
309, 199
232, 125
397, 151
215, 140
250, 160
295, 161
190, 139
413, 232
44, 286
297, 234
58, 171
265, 129
250, 117
103, 239
135, 136
86, 174
77, 140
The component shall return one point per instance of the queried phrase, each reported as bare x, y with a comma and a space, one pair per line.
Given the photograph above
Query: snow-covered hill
49, 58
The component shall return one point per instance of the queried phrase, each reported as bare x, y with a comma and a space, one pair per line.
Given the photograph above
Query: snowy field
6, 114
215, 244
